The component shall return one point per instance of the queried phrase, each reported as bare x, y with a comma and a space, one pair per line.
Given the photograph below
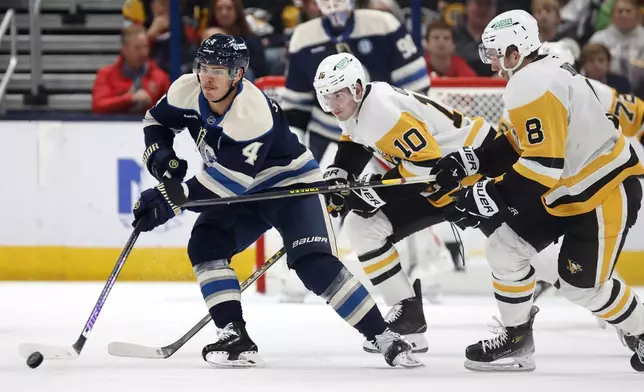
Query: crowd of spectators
606, 37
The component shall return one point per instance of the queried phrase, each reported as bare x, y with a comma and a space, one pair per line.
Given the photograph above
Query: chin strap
510, 71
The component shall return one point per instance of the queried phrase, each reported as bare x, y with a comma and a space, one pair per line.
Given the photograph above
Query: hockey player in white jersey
245, 142
410, 133
376, 38
627, 108
569, 172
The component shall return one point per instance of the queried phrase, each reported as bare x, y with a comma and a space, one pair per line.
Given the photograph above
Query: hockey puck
637, 364
35, 359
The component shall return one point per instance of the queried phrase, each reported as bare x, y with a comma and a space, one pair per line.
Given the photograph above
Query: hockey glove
158, 205
336, 201
475, 204
163, 163
367, 202
454, 167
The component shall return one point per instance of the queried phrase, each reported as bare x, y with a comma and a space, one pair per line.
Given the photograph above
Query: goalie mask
337, 11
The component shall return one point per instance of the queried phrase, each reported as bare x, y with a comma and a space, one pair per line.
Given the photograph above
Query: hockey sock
613, 301
325, 275
220, 290
383, 268
514, 297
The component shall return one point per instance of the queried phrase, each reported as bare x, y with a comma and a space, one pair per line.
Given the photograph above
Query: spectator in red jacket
134, 83
440, 53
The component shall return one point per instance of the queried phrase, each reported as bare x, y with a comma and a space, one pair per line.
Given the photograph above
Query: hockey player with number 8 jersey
570, 175
376, 38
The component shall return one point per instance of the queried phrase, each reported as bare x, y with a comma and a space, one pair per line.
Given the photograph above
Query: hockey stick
73, 351
123, 349
319, 190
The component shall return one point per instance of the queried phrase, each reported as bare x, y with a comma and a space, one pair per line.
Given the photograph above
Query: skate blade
518, 364
417, 340
221, 360
407, 360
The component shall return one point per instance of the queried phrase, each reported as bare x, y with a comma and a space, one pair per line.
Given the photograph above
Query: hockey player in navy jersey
376, 38
245, 142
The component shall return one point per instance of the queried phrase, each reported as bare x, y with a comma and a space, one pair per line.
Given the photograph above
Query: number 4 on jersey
250, 152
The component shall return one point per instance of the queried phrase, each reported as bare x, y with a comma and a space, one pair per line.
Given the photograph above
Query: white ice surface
306, 347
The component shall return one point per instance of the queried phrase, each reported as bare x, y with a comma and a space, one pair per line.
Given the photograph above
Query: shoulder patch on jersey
184, 92
374, 22
306, 35
250, 117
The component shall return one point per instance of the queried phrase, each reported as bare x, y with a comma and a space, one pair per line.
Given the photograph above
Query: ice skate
407, 319
234, 349
395, 348
510, 350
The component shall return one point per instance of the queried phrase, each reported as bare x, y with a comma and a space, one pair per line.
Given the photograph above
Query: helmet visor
334, 101
210, 70
488, 54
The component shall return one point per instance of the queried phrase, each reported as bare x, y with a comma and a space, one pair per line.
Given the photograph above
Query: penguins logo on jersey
574, 267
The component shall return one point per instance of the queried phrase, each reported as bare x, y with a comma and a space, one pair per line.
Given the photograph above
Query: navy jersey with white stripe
247, 149
376, 38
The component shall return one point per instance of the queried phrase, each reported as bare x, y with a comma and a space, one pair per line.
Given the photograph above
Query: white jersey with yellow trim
628, 108
410, 130
566, 142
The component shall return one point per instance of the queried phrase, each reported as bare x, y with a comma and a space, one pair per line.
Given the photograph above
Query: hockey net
470, 96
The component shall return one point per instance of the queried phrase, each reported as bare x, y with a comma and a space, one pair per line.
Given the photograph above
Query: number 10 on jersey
411, 141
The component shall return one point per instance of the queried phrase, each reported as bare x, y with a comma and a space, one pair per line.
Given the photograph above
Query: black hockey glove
336, 201
158, 205
163, 163
476, 204
454, 167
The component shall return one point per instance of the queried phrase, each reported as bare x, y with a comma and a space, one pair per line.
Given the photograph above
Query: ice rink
307, 347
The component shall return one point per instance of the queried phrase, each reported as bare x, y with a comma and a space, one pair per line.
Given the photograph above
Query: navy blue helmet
226, 50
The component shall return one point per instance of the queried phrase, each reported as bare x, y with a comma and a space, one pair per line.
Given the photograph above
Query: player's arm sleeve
351, 156
408, 66
496, 156
629, 109
161, 123
541, 127
298, 96
104, 101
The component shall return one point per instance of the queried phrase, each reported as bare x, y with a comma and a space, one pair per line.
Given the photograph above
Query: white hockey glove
368, 201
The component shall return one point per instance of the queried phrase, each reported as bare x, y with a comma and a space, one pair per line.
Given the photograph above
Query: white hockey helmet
335, 73
511, 28
338, 11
